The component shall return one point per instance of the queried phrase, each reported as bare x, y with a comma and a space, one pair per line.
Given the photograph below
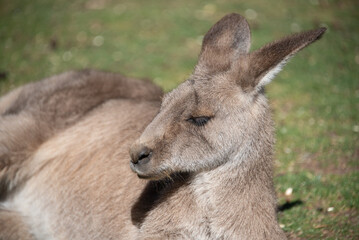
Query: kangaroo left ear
223, 44
261, 66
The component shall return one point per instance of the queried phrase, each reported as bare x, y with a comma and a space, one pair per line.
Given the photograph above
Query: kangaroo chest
188, 213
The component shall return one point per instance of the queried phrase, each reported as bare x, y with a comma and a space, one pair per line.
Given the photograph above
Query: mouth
146, 174
145, 177
141, 173
152, 177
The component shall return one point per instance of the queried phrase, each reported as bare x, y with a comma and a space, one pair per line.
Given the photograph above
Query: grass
315, 99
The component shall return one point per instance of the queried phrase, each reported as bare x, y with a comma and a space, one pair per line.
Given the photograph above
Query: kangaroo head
220, 113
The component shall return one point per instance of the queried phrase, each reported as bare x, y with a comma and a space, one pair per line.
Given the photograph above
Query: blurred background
315, 100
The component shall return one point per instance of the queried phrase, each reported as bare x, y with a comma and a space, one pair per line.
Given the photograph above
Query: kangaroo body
202, 156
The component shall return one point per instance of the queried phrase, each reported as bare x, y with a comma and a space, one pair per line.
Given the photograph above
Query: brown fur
13, 227
34, 113
205, 182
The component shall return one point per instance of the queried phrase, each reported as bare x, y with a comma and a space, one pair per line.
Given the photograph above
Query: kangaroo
202, 159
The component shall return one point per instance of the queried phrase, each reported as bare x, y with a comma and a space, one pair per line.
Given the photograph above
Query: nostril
143, 156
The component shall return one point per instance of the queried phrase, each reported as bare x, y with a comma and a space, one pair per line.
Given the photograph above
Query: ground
315, 100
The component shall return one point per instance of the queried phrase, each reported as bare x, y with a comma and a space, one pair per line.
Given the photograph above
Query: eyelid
196, 117
199, 121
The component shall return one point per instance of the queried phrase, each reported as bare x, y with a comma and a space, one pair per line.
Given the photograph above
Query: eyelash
199, 121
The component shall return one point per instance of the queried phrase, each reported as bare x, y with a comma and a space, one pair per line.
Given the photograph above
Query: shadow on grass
289, 205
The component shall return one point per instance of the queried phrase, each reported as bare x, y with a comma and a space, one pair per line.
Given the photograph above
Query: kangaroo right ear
224, 43
260, 67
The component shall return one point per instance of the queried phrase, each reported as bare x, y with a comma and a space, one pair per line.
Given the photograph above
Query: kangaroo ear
261, 66
224, 43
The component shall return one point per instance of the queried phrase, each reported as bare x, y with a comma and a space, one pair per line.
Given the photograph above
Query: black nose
141, 156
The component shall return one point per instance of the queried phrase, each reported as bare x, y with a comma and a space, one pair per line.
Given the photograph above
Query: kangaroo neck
238, 178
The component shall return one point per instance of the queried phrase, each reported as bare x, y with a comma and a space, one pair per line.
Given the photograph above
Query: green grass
315, 99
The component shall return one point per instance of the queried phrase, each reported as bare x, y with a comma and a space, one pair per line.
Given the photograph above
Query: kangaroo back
13, 226
34, 113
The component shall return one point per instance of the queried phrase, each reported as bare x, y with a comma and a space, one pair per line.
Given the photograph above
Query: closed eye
199, 121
